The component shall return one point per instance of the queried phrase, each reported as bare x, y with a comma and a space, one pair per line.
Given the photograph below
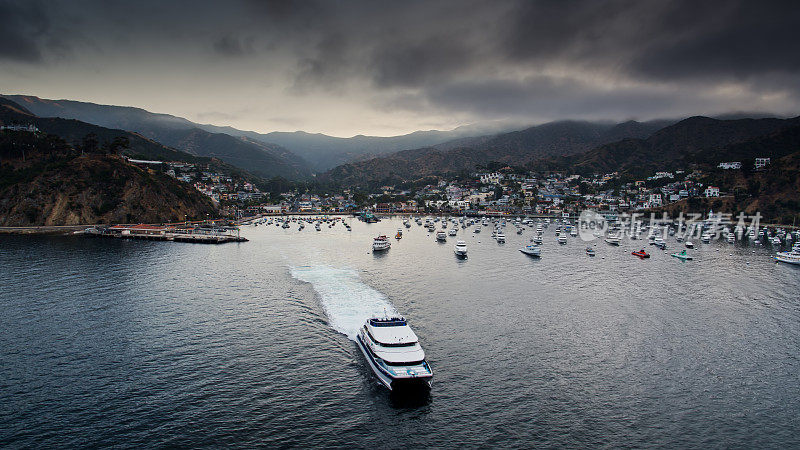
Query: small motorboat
792, 257
641, 254
590, 251
689, 244
682, 256
532, 250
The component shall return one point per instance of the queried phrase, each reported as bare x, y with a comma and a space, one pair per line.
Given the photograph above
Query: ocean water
119, 343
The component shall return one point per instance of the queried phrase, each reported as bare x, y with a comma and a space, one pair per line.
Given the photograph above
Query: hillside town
504, 191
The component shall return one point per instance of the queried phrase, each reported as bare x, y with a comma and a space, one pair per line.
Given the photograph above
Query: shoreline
43, 230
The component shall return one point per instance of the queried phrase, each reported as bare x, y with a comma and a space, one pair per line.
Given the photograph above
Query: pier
191, 234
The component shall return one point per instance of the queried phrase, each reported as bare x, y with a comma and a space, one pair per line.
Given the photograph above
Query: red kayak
641, 254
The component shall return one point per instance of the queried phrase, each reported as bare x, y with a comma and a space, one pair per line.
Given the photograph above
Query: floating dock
193, 234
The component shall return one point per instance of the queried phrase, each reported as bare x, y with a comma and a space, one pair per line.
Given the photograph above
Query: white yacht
501, 238
460, 249
394, 354
532, 250
562, 238
380, 244
792, 257
441, 236
452, 232
731, 238
612, 239
689, 244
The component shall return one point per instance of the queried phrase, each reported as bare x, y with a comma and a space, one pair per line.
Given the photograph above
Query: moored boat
792, 257
460, 249
682, 256
381, 243
641, 254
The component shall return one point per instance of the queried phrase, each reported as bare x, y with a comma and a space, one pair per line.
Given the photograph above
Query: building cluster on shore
504, 190
507, 192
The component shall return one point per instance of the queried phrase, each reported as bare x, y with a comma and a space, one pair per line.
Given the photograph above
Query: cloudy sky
391, 67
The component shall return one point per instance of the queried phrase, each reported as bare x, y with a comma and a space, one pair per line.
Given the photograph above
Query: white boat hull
385, 379
788, 258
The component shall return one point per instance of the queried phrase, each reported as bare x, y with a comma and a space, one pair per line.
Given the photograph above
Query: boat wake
347, 301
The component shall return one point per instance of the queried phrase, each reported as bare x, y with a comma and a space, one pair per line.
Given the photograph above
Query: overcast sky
391, 67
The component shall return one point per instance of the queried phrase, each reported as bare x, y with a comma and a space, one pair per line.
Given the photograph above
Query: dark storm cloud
519, 57
657, 39
22, 27
744, 39
233, 46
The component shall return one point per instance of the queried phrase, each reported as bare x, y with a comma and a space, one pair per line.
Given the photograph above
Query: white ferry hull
389, 382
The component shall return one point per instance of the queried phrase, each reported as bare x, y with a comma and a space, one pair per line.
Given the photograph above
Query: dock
183, 233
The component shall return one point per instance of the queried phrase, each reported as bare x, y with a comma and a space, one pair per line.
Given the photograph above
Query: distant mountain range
74, 131
555, 139
690, 141
293, 155
46, 180
264, 160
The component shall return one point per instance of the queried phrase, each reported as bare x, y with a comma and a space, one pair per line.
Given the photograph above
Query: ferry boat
532, 250
380, 244
460, 249
394, 354
441, 236
792, 257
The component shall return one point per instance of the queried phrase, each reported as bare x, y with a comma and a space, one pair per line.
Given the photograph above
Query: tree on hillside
90, 143
119, 144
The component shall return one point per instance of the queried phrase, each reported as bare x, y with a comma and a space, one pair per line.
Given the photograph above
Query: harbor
256, 330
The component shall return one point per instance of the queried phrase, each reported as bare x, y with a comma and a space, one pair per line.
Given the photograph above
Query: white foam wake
347, 301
